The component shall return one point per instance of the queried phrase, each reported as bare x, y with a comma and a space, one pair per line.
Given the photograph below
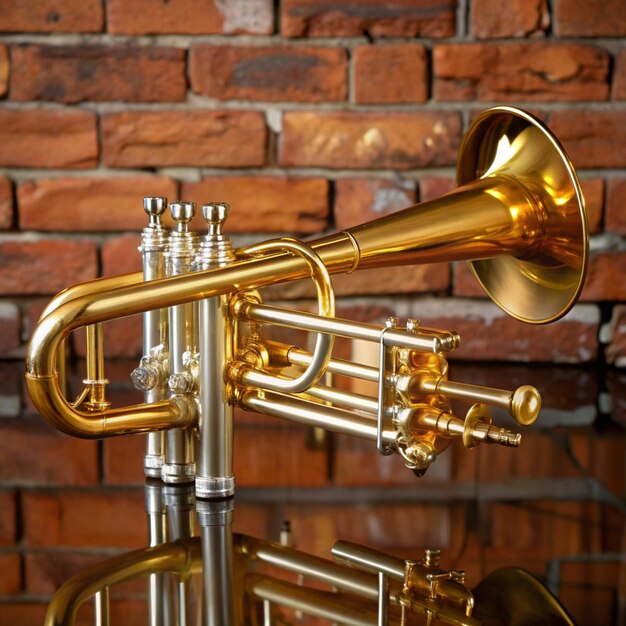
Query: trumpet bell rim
543, 284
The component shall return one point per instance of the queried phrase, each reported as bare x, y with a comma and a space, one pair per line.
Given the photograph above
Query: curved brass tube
92, 287
124, 296
182, 557
520, 218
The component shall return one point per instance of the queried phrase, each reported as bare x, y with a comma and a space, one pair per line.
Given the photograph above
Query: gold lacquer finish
541, 284
518, 217
346, 591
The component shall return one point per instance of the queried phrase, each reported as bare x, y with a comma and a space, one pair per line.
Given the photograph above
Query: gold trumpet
517, 216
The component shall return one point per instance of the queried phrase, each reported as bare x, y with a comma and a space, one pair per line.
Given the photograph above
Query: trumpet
517, 216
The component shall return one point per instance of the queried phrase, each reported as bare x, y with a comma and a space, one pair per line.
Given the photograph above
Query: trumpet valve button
215, 214
154, 206
182, 213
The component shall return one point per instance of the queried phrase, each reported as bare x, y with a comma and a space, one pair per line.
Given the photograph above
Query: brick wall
307, 116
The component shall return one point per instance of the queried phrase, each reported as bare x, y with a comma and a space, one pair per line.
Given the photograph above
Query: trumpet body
517, 217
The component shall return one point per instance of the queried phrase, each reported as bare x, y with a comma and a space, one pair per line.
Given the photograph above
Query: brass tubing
342, 328
335, 607
313, 414
490, 217
182, 557
96, 380
296, 356
369, 559
132, 298
523, 404
102, 601
307, 565
376, 561
91, 288
344, 398
494, 215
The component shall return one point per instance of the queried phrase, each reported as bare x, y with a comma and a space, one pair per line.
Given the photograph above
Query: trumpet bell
514, 597
543, 283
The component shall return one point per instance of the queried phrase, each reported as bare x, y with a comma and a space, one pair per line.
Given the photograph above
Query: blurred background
309, 116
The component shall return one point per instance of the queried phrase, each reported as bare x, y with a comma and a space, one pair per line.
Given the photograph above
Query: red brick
8, 518
45, 266
67, 461
10, 327
6, 203
277, 456
592, 138
616, 384
271, 73
385, 280
122, 338
608, 455
195, 138
551, 529
433, 187
10, 574
578, 18
359, 200
263, 204
593, 192
4, 70
23, 613
11, 379
390, 74
357, 463
377, 18
599, 603
255, 520
45, 572
48, 138
317, 528
123, 460
538, 72
98, 73
616, 350
89, 204
564, 390
619, 76
84, 519
190, 17
606, 277
487, 333
539, 457
517, 18
121, 255
615, 220
369, 140
30, 16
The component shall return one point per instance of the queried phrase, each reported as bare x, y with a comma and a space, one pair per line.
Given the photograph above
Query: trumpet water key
517, 217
